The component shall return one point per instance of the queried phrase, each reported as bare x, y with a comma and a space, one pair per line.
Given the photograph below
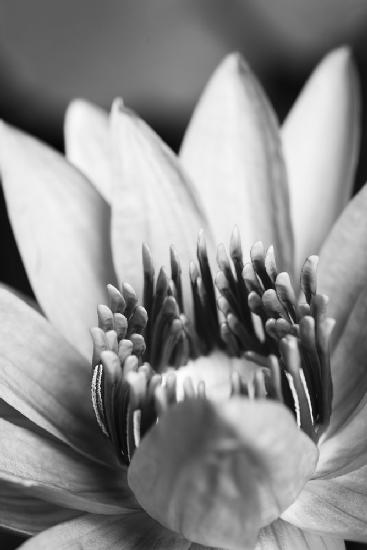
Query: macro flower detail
235, 410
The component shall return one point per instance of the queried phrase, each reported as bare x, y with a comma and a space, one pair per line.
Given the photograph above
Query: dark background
158, 56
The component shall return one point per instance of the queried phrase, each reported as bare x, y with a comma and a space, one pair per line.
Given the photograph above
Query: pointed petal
26, 514
48, 469
216, 473
337, 506
321, 144
61, 227
348, 363
346, 449
152, 201
87, 143
280, 535
132, 531
45, 379
232, 151
343, 261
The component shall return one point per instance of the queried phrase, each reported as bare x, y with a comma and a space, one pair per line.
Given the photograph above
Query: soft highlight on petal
232, 151
343, 261
87, 143
346, 449
49, 470
61, 225
46, 379
349, 365
216, 473
153, 201
337, 507
281, 535
132, 531
321, 144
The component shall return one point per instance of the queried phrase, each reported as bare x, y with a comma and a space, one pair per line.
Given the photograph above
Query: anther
105, 317
309, 277
130, 298
117, 302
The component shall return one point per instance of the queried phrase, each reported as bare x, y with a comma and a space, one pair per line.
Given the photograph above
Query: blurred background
157, 55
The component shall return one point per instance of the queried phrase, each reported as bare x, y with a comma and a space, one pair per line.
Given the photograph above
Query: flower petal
45, 379
51, 471
321, 143
348, 363
232, 151
280, 535
25, 514
337, 506
216, 473
87, 143
61, 226
343, 262
152, 201
346, 449
132, 531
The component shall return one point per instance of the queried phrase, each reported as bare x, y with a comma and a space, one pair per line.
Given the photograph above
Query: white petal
44, 378
321, 144
132, 531
24, 513
49, 470
87, 143
337, 507
280, 535
153, 201
61, 225
232, 151
346, 449
217, 472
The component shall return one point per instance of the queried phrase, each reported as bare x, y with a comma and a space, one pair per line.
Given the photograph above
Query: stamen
136, 349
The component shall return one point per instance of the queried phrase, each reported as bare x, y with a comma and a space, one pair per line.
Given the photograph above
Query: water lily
244, 445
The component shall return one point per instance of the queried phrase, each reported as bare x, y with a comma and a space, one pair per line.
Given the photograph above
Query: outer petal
232, 150
280, 535
321, 143
337, 506
133, 531
87, 143
349, 364
61, 226
23, 513
47, 380
152, 201
345, 450
216, 473
48, 469
343, 261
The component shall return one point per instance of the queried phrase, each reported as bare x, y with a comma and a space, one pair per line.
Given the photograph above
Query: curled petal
132, 531
232, 151
49, 470
87, 143
216, 473
321, 143
153, 201
281, 535
46, 379
24, 513
343, 261
337, 506
61, 225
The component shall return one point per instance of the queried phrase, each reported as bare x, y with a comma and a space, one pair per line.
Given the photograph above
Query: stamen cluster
249, 311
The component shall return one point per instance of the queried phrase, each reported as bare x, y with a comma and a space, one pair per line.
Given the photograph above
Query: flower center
250, 337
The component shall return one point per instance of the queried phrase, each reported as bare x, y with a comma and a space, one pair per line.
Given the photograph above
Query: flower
56, 467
